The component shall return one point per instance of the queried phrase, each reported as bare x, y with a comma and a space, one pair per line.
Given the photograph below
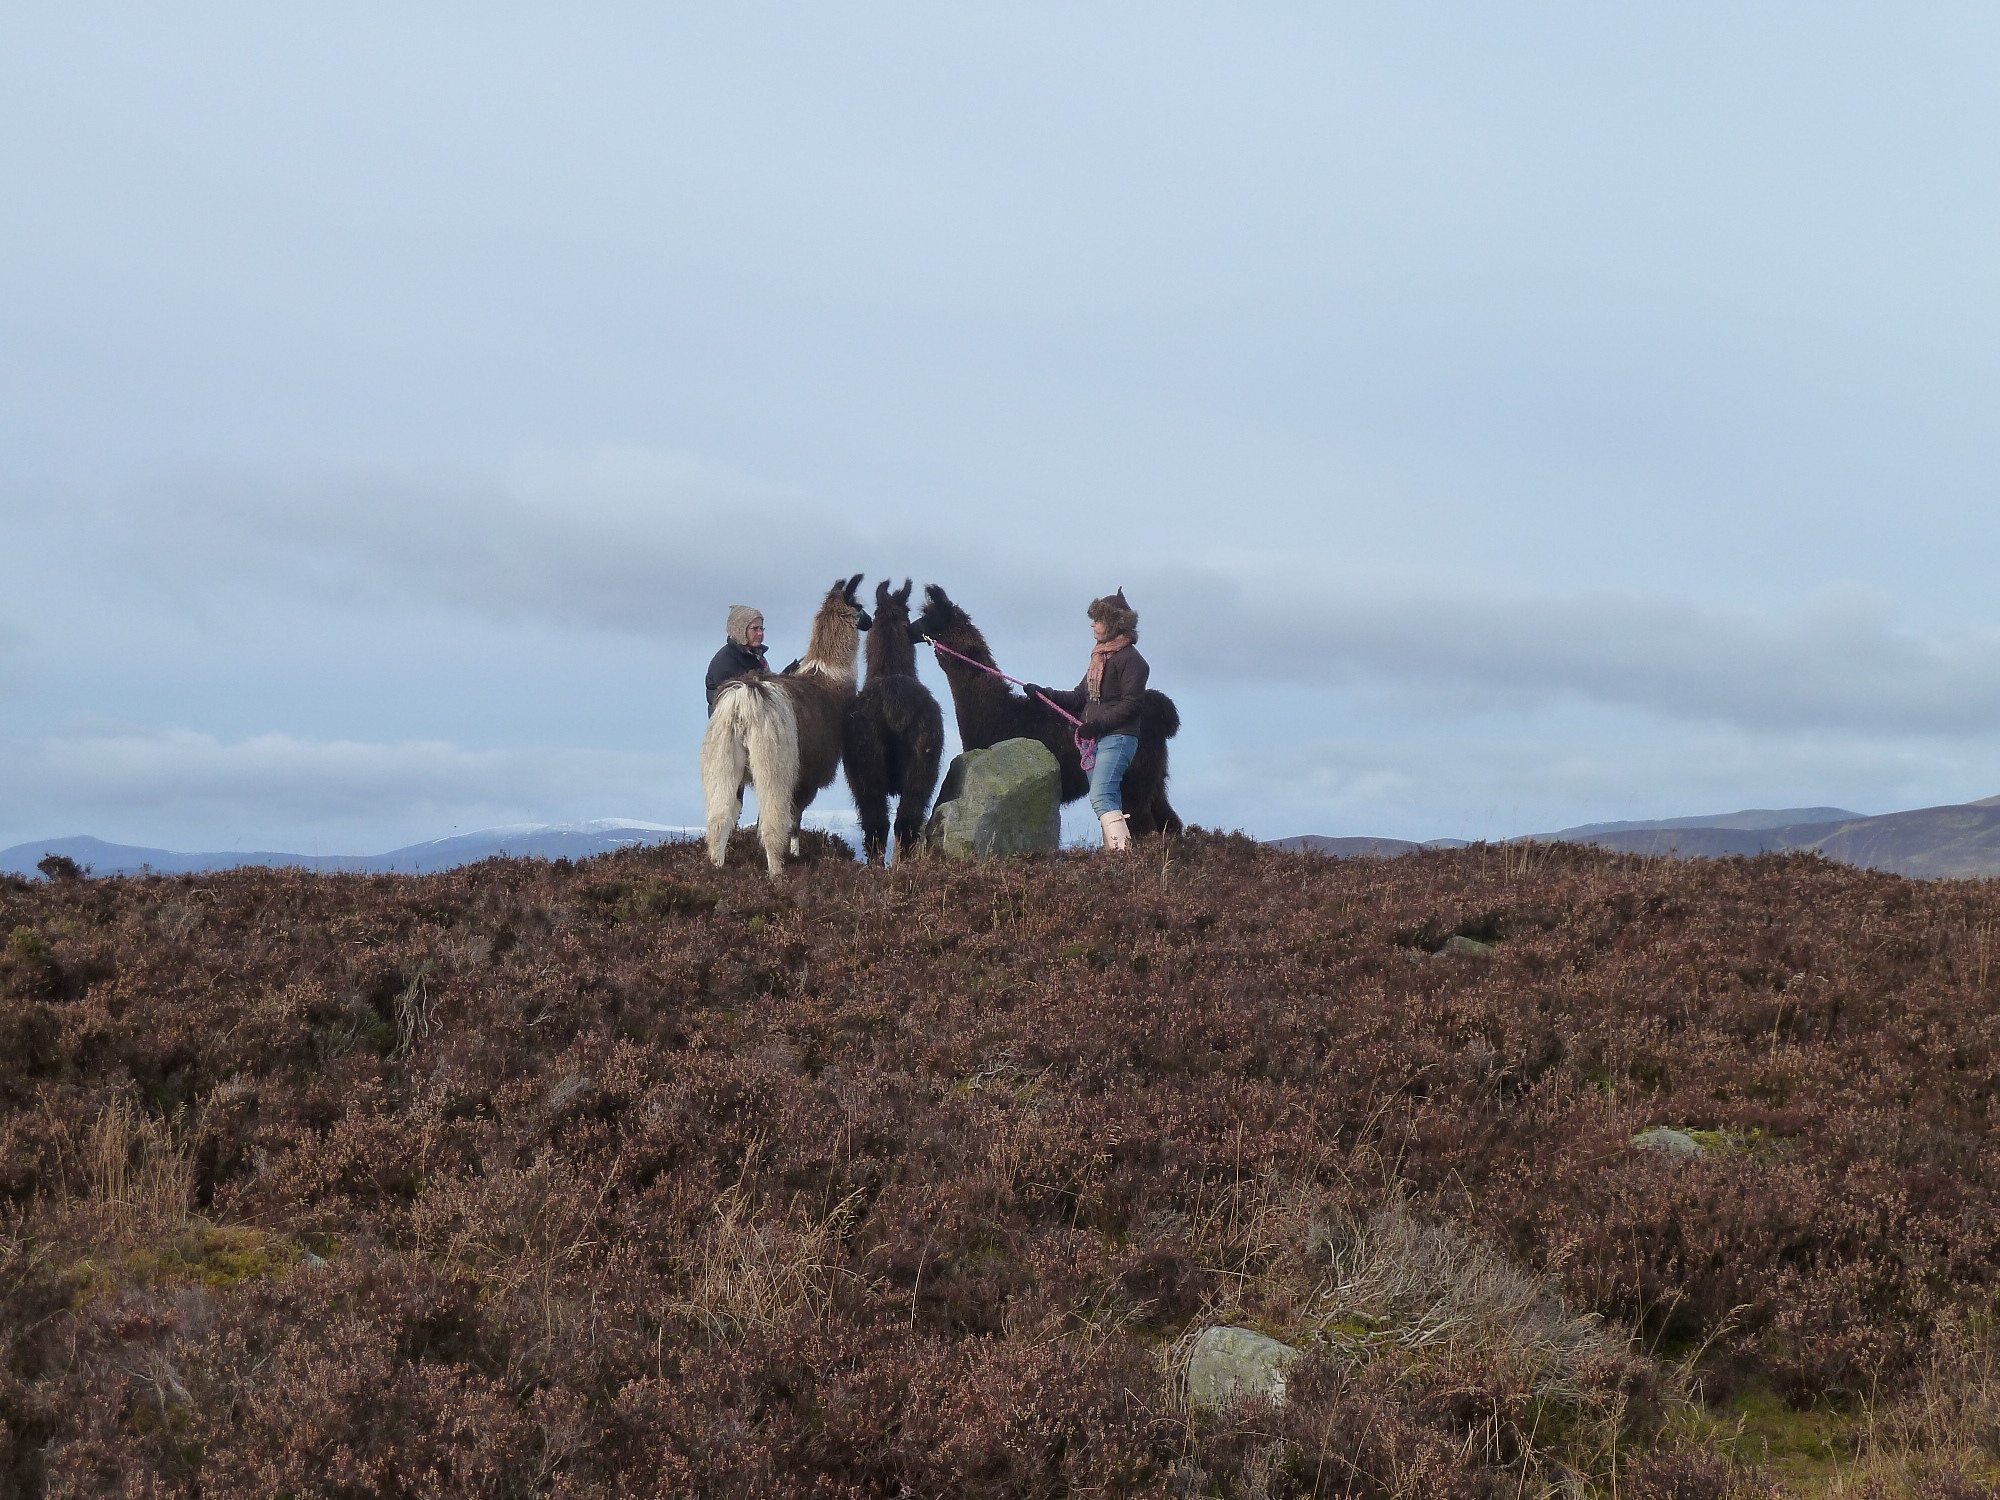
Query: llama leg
724, 761
775, 819
912, 802
920, 775
909, 826
1139, 817
775, 833
1143, 780
873, 805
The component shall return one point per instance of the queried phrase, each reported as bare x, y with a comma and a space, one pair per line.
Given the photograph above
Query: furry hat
741, 618
1117, 617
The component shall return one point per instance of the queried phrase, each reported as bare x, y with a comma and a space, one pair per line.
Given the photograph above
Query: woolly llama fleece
782, 733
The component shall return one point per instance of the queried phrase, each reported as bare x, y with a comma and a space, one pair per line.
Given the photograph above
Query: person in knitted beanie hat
741, 654
1108, 700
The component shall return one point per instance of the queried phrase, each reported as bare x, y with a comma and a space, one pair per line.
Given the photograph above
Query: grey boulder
1006, 799
1465, 947
1233, 1364
1668, 1140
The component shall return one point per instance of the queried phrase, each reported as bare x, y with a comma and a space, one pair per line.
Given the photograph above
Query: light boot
1117, 836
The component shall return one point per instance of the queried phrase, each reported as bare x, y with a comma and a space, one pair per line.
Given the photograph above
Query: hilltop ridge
650, 1178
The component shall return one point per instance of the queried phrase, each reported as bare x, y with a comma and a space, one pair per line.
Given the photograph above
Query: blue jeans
1114, 754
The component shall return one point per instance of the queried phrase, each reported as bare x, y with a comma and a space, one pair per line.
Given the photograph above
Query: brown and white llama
895, 734
782, 733
990, 711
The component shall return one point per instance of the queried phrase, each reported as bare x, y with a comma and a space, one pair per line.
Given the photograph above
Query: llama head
848, 592
892, 648
893, 607
939, 617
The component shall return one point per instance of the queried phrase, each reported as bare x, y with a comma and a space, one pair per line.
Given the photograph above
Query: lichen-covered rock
1006, 799
1672, 1142
1465, 947
1231, 1364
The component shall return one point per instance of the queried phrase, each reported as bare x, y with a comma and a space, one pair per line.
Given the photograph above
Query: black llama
989, 711
894, 734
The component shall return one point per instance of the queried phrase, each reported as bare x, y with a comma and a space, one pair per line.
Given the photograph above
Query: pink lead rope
1086, 750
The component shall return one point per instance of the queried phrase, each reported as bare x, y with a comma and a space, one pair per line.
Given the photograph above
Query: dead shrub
754, 1270
139, 1171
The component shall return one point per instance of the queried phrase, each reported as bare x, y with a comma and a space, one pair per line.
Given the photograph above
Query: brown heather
636, 1178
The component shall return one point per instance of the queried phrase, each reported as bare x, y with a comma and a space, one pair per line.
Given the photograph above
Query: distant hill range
1961, 841
1750, 817
524, 840
1319, 843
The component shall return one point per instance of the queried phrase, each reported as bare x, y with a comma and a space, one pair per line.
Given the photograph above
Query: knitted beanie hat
1117, 617
741, 618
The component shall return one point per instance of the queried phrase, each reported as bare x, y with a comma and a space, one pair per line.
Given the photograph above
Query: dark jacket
1116, 710
731, 661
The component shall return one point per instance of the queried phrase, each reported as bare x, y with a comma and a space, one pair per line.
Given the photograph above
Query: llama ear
881, 596
851, 585
902, 595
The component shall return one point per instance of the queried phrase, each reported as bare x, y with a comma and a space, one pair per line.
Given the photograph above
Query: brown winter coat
1116, 710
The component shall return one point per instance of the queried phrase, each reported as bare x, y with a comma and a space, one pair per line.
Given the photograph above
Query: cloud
617, 540
1840, 663
632, 542
655, 546
179, 785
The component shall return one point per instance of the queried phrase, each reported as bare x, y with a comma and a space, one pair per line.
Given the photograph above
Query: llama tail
725, 762
1158, 714
752, 738
774, 771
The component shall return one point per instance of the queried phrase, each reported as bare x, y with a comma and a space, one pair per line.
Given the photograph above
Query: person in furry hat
741, 654
1108, 702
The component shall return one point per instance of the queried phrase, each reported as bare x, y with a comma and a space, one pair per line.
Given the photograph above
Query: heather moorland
631, 1177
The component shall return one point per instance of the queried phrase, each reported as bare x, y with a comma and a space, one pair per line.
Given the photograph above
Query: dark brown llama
989, 711
895, 734
782, 734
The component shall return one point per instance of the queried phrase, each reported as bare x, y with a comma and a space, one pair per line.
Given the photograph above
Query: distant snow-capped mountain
521, 840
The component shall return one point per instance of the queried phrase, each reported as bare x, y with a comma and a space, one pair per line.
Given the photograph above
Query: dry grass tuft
751, 1270
1943, 1438
1425, 1288
140, 1171
1390, 1294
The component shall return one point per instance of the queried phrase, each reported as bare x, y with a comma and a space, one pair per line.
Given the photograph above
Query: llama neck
967, 641
890, 653
819, 666
834, 643
966, 679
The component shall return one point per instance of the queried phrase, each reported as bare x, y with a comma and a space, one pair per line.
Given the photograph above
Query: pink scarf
1102, 652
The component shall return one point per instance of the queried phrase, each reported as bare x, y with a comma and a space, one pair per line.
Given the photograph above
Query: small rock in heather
1673, 1142
1230, 1364
1465, 947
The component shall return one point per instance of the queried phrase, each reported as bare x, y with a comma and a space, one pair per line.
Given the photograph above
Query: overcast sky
1501, 417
